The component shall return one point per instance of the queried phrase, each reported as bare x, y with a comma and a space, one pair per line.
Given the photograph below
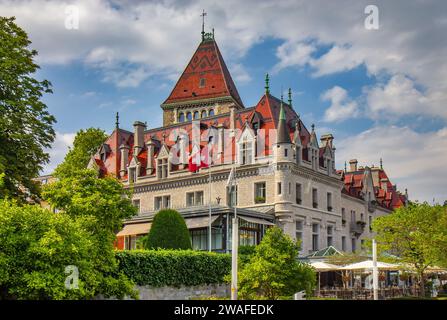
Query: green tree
417, 234
104, 201
37, 246
25, 124
85, 145
274, 271
168, 231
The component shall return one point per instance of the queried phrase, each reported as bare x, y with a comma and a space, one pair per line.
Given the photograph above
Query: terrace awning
321, 266
134, 229
199, 222
256, 220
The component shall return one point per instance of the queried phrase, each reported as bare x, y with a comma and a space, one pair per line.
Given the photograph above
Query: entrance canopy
199, 222
256, 220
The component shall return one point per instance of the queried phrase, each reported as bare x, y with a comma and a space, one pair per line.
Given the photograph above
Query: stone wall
183, 293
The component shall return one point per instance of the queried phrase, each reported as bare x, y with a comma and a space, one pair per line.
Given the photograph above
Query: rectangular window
343, 243
298, 193
299, 232
279, 187
329, 201
132, 175
330, 233
362, 217
136, 203
246, 153
315, 198
232, 196
353, 216
343, 216
370, 222
286, 152
162, 168
353, 245
194, 198
315, 234
260, 193
202, 83
163, 202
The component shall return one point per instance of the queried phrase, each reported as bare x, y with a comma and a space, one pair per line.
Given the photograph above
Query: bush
168, 231
174, 267
273, 271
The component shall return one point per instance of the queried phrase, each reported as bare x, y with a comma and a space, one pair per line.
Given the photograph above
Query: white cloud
239, 74
293, 54
399, 96
59, 149
341, 108
412, 160
337, 59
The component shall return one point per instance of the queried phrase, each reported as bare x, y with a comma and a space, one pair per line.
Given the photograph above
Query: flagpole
235, 240
209, 197
375, 271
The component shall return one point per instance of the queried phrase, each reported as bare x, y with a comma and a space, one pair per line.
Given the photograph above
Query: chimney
327, 139
353, 165
232, 117
124, 158
384, 184
150, 155
138, 137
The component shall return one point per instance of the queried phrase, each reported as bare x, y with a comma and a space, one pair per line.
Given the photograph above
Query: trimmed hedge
175, 268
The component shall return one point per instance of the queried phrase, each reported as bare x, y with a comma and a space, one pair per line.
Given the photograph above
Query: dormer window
246, 152
202, 83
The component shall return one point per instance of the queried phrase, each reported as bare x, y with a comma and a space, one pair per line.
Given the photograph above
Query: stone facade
284, 175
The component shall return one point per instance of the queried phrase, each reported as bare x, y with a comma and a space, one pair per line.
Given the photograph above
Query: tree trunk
422, 283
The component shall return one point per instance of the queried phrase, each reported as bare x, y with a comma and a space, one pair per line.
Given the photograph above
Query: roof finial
267, 80
313, 127
290, 97
345, 167
203, 24
381, 164
117, 123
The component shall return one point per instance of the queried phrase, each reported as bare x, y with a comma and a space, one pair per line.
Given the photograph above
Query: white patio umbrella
321, 266
368, 265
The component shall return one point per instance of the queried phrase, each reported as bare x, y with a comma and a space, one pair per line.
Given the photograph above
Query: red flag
194, 161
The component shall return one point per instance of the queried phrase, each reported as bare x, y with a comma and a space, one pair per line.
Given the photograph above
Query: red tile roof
206, 63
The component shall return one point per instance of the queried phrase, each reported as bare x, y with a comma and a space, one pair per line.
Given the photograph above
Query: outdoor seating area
354, 281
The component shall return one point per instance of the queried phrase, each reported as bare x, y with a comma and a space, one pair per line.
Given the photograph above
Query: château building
284, 175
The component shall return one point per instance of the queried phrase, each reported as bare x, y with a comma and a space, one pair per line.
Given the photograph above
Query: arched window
181, 117
203, 114
196, 115
189, 116
211, 113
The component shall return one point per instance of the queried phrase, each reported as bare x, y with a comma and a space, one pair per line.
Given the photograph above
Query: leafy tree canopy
25, 124
168, 231
274, 271
417, 234
85, 145
36, 248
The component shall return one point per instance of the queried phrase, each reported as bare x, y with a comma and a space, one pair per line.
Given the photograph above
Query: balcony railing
356, 228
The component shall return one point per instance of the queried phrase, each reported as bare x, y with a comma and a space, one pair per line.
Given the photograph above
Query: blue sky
382, 93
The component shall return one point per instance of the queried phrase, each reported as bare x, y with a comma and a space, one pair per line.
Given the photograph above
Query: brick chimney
138, 137
353, 165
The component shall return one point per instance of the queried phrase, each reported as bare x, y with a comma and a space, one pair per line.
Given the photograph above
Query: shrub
168, 231
174, 267
273, 271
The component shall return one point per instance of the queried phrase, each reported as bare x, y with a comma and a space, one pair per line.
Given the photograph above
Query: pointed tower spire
381, 164
117, 123
203, 24
283, 132
345, 167
290, 97
267, 87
